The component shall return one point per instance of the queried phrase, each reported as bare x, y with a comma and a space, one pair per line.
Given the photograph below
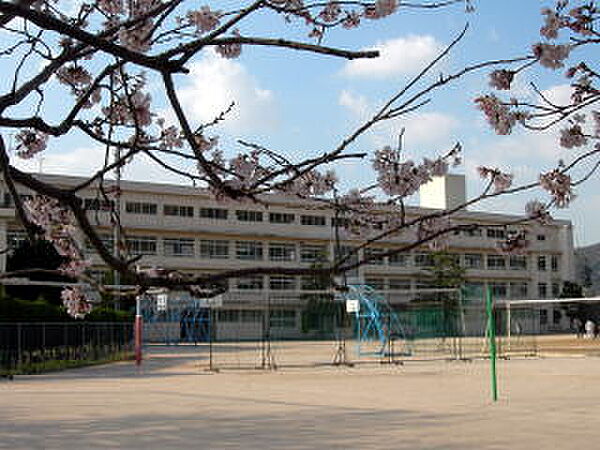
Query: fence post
508, 324
492, 337
66, 340
19, 342
44, 339
210, 338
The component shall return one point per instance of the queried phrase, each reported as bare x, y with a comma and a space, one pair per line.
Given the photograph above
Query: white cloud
217, 82
80, 161
401, 56
559, 94
357, 104
430, 129
85, 161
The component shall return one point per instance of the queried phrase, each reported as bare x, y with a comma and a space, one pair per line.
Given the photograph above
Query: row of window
207, 213
492, 232
515, 290
221, 249
149, 208
258, 216
469, 260
305, 253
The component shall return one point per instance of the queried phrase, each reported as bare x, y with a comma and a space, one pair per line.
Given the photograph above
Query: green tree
446, 271
320, 314
39, 254
578, 310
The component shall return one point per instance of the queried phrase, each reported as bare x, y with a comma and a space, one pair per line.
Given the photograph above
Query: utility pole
117, 228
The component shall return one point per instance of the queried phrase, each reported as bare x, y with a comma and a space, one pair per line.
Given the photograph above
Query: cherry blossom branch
31, 230
47, 22
189, 135
294, 45
190, 49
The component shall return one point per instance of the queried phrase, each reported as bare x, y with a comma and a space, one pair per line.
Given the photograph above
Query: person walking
578, 325
590, 329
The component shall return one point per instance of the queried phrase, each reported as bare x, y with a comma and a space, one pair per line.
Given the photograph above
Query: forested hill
587, 268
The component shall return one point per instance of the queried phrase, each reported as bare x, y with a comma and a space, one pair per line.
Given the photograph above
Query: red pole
138, 339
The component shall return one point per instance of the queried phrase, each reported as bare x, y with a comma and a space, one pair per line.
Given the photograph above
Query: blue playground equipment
195, 324
377, 325
180, 319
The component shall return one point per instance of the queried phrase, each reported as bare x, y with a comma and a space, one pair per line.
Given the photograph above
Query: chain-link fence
39, 347
266, 330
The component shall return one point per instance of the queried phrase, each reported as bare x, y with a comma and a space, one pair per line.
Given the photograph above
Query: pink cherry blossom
403, 178
501, 181
381, 8
204, 19
582, 20
75, 302
552, 23
140, 105
558, 185
137, 37
206, 144
133, 110
312, 183
572, 137
538, 211
171, 137
30, 142
550, 55
111, 7
352, 20
501, 79
515, 243
596, 119
433, 230
360, 218
331, 12
74, 75
231, 50
499, 115
59, 229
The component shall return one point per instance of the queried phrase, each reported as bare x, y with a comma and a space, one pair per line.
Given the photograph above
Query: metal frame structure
376, 321
193, 315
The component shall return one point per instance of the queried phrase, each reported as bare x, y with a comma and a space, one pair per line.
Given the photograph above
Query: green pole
492, 337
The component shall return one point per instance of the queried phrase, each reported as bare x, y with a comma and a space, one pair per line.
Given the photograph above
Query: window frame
248, 215
213, 213
178, 244
288, 253
178, 210
212, 245
310, 220
495, 265
143, 240
141, 208
468, 258
281, 218
254, 251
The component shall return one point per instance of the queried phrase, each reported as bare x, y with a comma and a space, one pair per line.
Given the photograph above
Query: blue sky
304, 104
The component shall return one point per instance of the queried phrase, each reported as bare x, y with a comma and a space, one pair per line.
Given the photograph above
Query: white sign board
352, 306
161, 302
214, 302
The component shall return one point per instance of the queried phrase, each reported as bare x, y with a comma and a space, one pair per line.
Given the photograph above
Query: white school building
185, 228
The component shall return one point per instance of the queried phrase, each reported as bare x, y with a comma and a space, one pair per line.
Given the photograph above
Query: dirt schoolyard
173, 403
